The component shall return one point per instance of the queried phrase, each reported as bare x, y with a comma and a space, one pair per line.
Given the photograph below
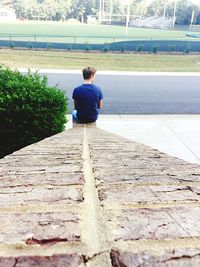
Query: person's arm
100, 104
75, 104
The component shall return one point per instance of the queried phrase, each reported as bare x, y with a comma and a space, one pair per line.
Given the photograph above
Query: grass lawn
102, 61
84, 30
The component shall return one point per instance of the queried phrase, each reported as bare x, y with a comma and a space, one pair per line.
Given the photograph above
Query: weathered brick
42, 169
149, 223
40, 228
160, 223
130, 195
123, 179
144, 199
188, 218
168, 258
56, 179
68, 260
144, 194
172, 193
37, 195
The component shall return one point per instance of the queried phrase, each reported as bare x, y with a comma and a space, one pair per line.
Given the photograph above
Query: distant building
7, 14
91, 19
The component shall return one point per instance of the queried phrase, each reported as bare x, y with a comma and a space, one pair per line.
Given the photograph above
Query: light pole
111, 11
192, 19
143, 8
100, 11
127, 17
165, 7
174, 17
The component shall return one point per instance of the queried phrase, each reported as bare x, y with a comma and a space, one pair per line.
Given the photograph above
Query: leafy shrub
49, 45
68, 47
155, 49
11, 44
30, 110
87, 46
172, 48
30, 45
139, 48
105, 49
187, 49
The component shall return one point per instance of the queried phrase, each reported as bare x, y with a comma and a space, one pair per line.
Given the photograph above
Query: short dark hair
88, 72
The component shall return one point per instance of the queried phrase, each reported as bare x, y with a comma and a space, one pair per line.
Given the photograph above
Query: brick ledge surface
86, 197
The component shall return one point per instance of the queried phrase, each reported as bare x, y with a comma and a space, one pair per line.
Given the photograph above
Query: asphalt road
142, 94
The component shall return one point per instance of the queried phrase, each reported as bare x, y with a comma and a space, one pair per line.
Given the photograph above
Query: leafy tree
156, 8
198, 18
63, 9
42, 9
82, 8
25, 8
184, 12
6, 3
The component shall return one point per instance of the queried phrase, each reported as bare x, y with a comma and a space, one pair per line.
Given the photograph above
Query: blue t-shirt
87, 97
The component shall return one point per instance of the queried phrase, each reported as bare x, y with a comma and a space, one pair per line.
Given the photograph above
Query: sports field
58, 32
81, 33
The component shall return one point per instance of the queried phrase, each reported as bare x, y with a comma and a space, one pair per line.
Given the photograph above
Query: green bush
105, 49
87, 46
11, 44
172, 48
139, 48
68, 47
49, 45
187, 49
30, 45
30, 110
155, 49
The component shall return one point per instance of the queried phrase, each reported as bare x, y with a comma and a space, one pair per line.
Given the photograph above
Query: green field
58, 32
102, 61
92, 34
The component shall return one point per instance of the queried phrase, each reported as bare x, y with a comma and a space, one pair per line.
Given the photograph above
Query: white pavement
113, 72
176, 135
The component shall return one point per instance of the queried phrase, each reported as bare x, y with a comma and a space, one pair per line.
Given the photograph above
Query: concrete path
176, 135
89, 198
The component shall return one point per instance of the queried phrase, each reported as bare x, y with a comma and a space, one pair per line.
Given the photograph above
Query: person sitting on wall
87, 98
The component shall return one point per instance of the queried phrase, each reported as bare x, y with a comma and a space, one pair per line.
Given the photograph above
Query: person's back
87, 98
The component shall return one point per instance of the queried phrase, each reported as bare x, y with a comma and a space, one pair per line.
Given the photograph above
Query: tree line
79, 9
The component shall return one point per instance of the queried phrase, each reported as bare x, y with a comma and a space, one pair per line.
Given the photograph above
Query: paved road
142, 94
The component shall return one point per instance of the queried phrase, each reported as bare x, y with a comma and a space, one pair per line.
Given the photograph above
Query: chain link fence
96, 43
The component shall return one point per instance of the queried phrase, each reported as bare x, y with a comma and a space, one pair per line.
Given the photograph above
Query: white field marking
119, 73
